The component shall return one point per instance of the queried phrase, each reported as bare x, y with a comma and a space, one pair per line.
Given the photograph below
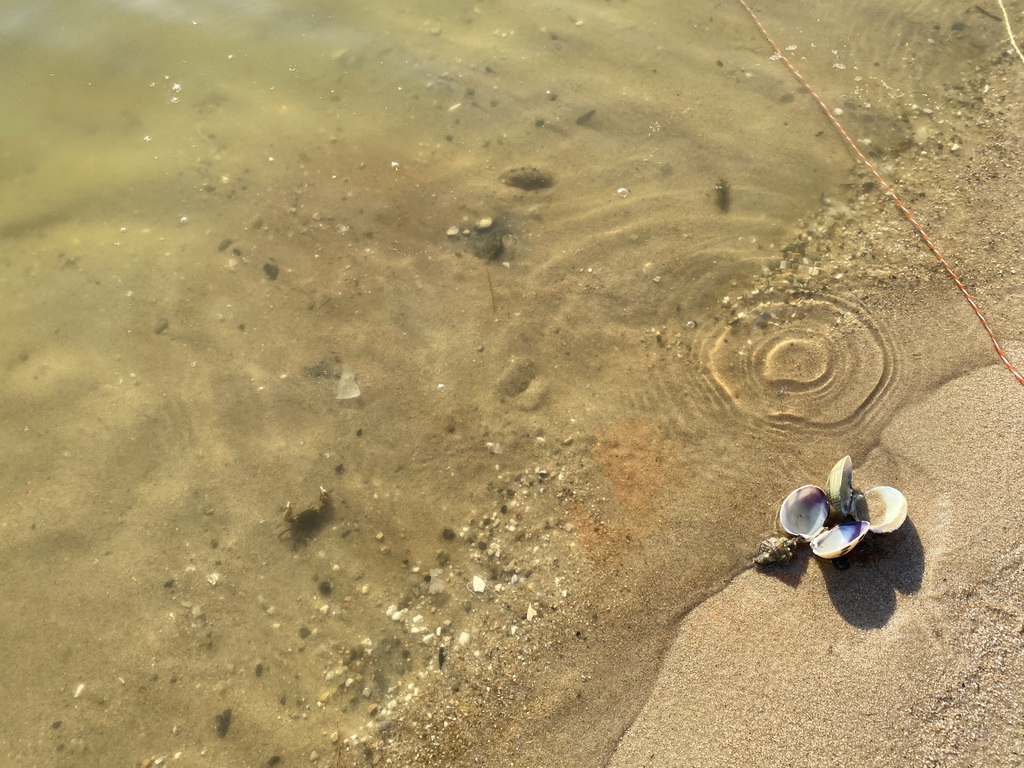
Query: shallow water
209, 211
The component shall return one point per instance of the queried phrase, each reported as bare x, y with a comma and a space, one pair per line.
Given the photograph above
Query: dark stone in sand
223, 722
527, 178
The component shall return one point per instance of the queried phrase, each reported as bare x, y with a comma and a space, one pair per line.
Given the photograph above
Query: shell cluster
835, 519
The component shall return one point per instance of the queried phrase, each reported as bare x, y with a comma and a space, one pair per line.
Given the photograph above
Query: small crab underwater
303, 526
832, 520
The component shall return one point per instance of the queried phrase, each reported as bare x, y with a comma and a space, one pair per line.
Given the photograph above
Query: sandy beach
414, 388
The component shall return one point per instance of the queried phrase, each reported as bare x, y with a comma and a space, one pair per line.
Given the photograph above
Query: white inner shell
836, 542
804, 511
887, 509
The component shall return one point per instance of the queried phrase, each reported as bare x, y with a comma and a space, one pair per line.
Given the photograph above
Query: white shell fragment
840, 487
887, 509
479, 585
804, 511
347, 387
836, 542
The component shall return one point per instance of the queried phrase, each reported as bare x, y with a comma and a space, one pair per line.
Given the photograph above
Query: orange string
889, 191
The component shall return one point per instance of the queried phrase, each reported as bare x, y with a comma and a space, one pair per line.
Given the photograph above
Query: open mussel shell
804, 511
836, 542
839, 488
887, 509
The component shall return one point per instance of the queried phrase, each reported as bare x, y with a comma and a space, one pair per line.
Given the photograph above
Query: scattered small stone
484, 224
271, 270
479, 585
224, 244
162, 326
453, 231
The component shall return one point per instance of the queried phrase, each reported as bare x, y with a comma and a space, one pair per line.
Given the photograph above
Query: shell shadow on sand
865, 593
863, 584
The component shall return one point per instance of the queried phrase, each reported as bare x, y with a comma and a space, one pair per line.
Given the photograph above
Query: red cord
889, 191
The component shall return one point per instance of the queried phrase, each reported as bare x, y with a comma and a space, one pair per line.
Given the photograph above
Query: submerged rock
527, 178
776, 549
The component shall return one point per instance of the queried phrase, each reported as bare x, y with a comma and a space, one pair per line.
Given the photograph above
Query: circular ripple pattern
818, 363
